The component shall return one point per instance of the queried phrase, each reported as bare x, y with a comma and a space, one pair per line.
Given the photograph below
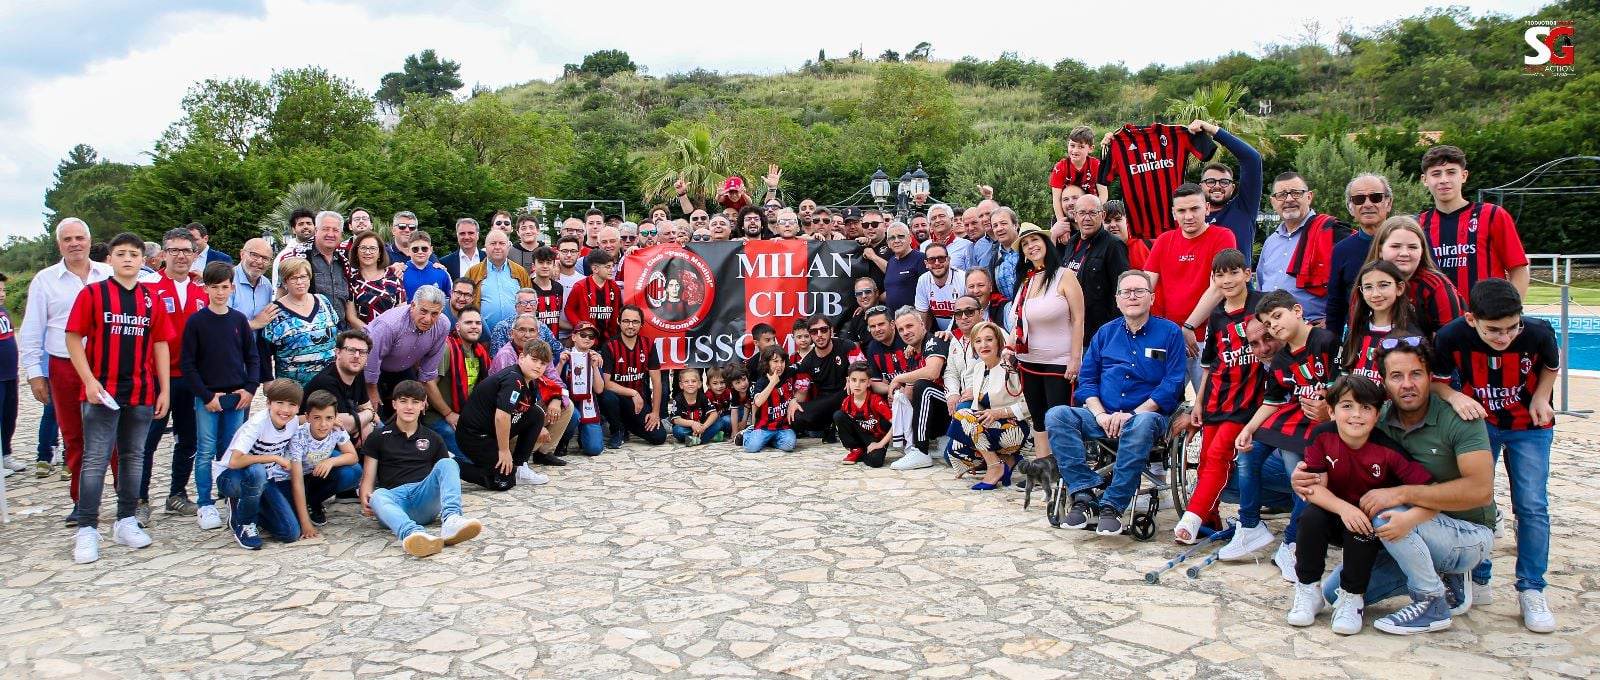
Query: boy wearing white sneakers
408, 478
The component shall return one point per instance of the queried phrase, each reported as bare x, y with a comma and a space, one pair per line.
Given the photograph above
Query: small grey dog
1040, 473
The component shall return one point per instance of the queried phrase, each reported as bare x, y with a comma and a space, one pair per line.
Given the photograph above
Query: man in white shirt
468, 253
44, 332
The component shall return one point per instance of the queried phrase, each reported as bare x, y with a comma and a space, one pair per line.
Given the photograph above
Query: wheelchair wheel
1143, 526
1183, 460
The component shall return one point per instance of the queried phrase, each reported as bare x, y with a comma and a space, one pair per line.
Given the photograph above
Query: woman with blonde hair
304, 326
1401, 241
996, 423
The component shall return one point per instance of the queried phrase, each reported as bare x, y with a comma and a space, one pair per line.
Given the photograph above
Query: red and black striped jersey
1235, 382
1363, 355
1148, 163
630, 367
873, 415
726, 399
1477, 242
1502, 381
1064, 175
773, 414
888, 361
1434, 299
120, 327
1290, 376
596, 303
698, 410
548, 306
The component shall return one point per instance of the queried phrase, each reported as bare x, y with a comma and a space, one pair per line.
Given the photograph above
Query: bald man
608, 239
252, 296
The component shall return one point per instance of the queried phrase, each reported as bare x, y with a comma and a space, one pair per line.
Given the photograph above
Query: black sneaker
830, 436
318, 515
546, 459
1078, 516
1110, 522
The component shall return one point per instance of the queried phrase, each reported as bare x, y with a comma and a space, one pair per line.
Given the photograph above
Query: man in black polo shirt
828, 364
344, 379
503, 412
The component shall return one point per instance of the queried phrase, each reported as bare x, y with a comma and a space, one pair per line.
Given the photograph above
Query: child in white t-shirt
325, 453
258, 456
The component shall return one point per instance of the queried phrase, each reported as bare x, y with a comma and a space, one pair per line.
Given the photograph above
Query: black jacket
1098, 263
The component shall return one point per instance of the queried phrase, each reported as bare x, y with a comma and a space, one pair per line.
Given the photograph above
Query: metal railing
1561, 278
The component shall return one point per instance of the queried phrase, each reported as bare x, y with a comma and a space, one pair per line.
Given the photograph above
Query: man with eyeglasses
252, 296
1232, 203
630, 236
463, 295
467, 252
828, 364
1297, 253
699, 218
901, 270
574, 228
938, 288
1130, 383
1369, 201
785, 224
418, 272
1098, 258
345, 378
178, 291
631, 401
568, 250
403, 226
875, 248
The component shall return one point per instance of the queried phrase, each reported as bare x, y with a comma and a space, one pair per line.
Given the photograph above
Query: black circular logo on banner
677, 289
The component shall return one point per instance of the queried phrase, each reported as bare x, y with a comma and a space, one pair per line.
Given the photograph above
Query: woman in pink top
1048, 316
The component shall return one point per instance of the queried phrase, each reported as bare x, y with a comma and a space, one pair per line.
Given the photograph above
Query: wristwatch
1189, 327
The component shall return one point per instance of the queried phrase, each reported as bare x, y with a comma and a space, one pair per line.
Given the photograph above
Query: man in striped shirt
1470, 241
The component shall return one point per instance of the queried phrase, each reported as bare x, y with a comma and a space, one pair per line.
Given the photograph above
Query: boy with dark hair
249, 472
1077, 169
1231, 391
596, 298
502, 421
733, 397
1297, 379
764, 336
220, 363
551, 293
863, 419
1507, 365
1470, 241
313, 446
409, 479
1351, 462
8, 384
116, 332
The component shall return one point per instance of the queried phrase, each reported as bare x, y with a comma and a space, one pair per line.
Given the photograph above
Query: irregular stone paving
683, 562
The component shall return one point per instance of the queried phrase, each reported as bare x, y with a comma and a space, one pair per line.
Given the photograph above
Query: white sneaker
208, 517
913, 459
1482, 594
86, 545
458, 528
13, 465
1307, 602
1536, 614
526, 475
1347, 610
1284, 558
127, 532
1246, 540
8, 471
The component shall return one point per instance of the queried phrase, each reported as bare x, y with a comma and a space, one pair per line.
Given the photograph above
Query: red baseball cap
586, 326
731, 183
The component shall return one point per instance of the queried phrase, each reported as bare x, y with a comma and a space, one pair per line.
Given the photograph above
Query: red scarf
458, 368
1311, 262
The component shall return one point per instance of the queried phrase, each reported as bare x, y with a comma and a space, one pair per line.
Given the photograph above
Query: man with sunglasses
875, 251
1296, 255
629, 233
648, 230
418, 272
827, 364
1369, 201
1232, 203
467, 252
864, 296
938, 288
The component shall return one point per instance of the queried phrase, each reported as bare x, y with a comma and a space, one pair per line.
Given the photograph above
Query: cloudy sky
111, 73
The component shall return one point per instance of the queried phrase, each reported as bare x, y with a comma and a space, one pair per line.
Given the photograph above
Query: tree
314, 195
1220, 104
600, 170
889, 55
694, 155
922, 52
79, 157
1010, 164
90, 194
919, 112
526, 151
1328, 163
234, 113
295, 107
968, 71
423, 73
1073, 86
604, 64
204, 181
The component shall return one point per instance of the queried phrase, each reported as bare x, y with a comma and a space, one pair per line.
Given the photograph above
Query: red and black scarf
458, 368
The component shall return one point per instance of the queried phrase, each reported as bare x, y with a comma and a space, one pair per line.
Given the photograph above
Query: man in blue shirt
1370, 200
252, 294
1232, 203
419, 271
1131, 381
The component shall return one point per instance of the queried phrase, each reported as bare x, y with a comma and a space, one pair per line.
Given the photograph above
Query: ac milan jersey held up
1148, 162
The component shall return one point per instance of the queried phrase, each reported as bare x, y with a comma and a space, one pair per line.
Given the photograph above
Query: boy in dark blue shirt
221, 365
8, 384
419, 270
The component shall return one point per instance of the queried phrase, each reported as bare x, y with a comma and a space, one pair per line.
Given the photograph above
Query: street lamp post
879, 187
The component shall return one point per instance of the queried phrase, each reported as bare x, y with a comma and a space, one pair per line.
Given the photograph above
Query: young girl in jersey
738, 400
694, 419
770, 403
802, 380
582, 371
1380, 308
1400, 240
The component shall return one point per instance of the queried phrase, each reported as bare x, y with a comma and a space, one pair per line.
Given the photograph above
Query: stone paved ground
707, 562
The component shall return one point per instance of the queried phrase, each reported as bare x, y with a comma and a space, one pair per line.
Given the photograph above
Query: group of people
1395, 345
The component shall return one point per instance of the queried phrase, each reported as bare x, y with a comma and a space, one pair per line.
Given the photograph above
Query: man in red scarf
464, 361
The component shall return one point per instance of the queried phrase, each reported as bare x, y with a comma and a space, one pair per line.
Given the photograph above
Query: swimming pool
1584, 350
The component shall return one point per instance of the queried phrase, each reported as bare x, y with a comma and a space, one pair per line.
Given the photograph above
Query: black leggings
853, 436
818, 412
1043, 386
1318, 528
480, 454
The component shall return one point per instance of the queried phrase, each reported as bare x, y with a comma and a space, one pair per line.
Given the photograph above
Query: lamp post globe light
879, 187
919, 182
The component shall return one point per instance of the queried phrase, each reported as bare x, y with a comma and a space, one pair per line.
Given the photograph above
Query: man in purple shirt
406, 344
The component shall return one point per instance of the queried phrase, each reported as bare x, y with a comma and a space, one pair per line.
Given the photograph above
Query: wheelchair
1169, 476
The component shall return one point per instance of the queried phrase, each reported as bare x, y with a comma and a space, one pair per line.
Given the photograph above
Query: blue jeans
1527, 457
181, 414
405, 508
1442, 545
591, 437
1069, 426
445, 432
48, 433
342, 478
213, 432
756, 439
682, 433
258, 502
1247, 471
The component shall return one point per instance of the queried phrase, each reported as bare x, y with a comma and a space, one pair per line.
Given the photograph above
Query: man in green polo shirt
1446, 525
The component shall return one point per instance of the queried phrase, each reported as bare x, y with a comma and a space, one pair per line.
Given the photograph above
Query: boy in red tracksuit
596, 299
863, 419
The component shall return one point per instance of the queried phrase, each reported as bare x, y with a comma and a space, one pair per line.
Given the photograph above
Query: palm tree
696, 157
1219, 104
315, 195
